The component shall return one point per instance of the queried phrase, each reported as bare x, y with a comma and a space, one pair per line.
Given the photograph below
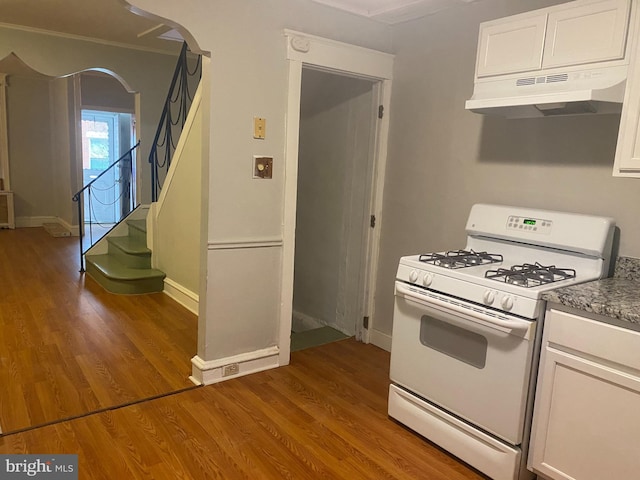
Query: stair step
140, 225
117, 277
132, 251
138, 230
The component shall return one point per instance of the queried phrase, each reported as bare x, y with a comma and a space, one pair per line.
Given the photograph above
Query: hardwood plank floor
322, 417
68, 347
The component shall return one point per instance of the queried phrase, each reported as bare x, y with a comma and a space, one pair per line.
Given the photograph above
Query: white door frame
4, 136
342, 58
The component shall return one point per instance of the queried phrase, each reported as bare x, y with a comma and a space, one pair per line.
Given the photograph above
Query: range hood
599, 90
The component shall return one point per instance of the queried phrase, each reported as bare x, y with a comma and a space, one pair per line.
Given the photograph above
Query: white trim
177, 154
380, 339
77, 121
182, 295
290, 204
347, 60
342, 57
4, 136
131, 111
301, 322
70, 36
28, 222
209, 372
74, 229
380, 168
139, 161
244, 243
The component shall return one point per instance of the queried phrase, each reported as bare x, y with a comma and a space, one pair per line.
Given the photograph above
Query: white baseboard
301, 322
74, 229
182, 295
27, 222
380, 339
209, 372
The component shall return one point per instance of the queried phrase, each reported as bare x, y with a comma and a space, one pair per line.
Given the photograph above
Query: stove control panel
529, 224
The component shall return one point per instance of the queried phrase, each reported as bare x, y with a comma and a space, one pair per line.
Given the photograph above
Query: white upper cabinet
592, 33
627, 161
509, 47
574, 33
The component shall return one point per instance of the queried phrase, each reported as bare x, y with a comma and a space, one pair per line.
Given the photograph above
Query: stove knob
413, 276
507, 302
489, 297
428, 279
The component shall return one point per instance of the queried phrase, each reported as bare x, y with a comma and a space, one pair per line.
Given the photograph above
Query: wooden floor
68, 347
322, 417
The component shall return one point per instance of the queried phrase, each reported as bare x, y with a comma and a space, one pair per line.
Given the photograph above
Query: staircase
126, 267
120, 260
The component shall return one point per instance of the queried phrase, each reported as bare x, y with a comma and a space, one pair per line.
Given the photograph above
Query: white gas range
467, 329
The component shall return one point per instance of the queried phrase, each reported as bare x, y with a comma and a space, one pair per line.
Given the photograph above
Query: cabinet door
511, 46
585, 421
593, 33
627, 161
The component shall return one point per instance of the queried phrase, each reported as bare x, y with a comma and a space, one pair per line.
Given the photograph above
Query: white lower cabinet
586, 421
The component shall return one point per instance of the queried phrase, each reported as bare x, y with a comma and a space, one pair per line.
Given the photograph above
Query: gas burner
460, 258
530, 275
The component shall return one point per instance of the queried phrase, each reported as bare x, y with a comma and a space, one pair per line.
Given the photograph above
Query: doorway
310, 52
100, 147
335, 176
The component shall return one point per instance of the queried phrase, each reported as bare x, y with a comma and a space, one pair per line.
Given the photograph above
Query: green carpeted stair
126, 268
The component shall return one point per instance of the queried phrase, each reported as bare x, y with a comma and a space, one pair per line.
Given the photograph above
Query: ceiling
107, 20
393, 11
110, 21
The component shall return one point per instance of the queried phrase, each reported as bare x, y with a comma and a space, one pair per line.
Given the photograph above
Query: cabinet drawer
593, 338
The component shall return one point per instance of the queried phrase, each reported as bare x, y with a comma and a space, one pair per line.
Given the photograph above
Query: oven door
470, 361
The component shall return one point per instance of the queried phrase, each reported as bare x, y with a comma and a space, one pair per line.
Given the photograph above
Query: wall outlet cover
262, 167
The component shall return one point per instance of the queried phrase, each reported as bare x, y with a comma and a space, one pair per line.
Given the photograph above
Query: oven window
468, 347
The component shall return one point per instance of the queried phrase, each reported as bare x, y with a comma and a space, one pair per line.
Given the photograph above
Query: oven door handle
514, 324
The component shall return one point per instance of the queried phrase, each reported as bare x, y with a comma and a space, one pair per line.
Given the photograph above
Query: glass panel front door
100, 147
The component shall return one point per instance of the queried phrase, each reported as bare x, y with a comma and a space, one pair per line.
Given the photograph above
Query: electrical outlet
262, 167
232, 369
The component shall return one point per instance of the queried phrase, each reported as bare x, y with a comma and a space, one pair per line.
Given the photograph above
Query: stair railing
174, 115
124, 196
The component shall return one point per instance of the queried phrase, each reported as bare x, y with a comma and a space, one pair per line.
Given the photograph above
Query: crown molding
81, 38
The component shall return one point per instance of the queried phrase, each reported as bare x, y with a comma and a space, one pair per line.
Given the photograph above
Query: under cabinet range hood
578, 92
567, 59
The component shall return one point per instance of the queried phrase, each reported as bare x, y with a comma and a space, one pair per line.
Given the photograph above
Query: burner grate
530, 275
460, 258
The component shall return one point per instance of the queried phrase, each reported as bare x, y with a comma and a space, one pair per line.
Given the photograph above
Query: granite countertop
617, 297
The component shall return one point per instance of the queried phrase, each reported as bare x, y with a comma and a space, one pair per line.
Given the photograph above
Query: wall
146, 72
335, 124
443, 159
63, 158
30, 147
105, 91
41, 116
248, 70
176, 247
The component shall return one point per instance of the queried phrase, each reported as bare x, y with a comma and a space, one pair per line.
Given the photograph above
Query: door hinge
372, 221
380, 111
365, 322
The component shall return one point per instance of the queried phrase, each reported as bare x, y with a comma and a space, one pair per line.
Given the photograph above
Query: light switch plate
259, 127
